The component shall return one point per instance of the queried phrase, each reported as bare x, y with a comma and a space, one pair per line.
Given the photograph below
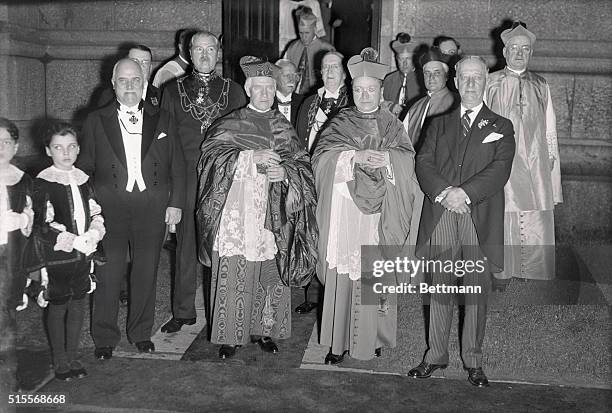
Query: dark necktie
405, 90
304, 69
465, 123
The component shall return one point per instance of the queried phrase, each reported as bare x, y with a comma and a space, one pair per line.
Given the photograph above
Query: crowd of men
282, 181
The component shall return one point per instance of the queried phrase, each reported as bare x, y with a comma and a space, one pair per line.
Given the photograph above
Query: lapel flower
482, 123
154, 101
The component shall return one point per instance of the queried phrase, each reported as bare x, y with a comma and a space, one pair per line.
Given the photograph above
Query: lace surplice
349, 228
241, 231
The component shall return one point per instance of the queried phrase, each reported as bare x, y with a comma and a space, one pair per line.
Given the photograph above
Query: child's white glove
85, 244
12, 221
24, 303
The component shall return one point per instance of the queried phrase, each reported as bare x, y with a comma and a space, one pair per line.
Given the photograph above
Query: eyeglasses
142, 61
330, 67
433, 75
370, 89
515, 48
292, 76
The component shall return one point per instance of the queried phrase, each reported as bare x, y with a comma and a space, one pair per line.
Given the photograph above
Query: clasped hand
271, 161
371, 158
173, 215
455, 200
85, 243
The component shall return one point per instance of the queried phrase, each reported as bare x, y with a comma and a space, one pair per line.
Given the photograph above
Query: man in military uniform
193, 102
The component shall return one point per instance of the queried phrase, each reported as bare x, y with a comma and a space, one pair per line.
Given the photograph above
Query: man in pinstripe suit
462, 168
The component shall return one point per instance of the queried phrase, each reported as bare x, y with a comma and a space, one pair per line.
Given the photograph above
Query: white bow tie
131, 114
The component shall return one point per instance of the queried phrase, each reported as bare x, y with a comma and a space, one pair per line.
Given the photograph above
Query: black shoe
266, 344
477, 377
332, 358
305, 307
124, 298
63, 375
77, 370
378, 352
227, 352
500, 285
175, 324
424, 370
103, 353
146, 346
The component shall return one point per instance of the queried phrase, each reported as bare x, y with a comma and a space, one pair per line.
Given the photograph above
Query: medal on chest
195, 94
133, 119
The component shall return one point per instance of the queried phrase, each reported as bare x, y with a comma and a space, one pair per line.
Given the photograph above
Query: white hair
125, 59
444, 65
205, 33
249, 82
285, 63
472, 57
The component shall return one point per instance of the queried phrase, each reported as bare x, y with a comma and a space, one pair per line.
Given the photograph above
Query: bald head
128, 82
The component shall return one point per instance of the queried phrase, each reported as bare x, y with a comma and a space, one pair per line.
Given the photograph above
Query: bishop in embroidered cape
259, 234
359, 205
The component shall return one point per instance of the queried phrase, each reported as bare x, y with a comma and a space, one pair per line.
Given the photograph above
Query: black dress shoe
77, 370
146, 346
175, 324
63, 375
333, 359
227, 352
378, 352
266, 344
305, 307
424, 370
500, 285
477, 377
103, 353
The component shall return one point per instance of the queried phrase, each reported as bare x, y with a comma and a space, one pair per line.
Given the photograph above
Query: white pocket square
492, 137
162, 135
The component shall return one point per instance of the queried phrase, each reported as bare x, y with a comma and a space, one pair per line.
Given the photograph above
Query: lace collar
10, 176
59, 176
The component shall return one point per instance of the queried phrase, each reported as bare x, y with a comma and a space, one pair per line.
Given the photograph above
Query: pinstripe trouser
455, 238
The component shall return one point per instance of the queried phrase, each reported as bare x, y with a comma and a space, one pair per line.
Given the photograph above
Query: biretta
254, 66
305, 16
366, 64
518, 29
433, 55
401, 43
